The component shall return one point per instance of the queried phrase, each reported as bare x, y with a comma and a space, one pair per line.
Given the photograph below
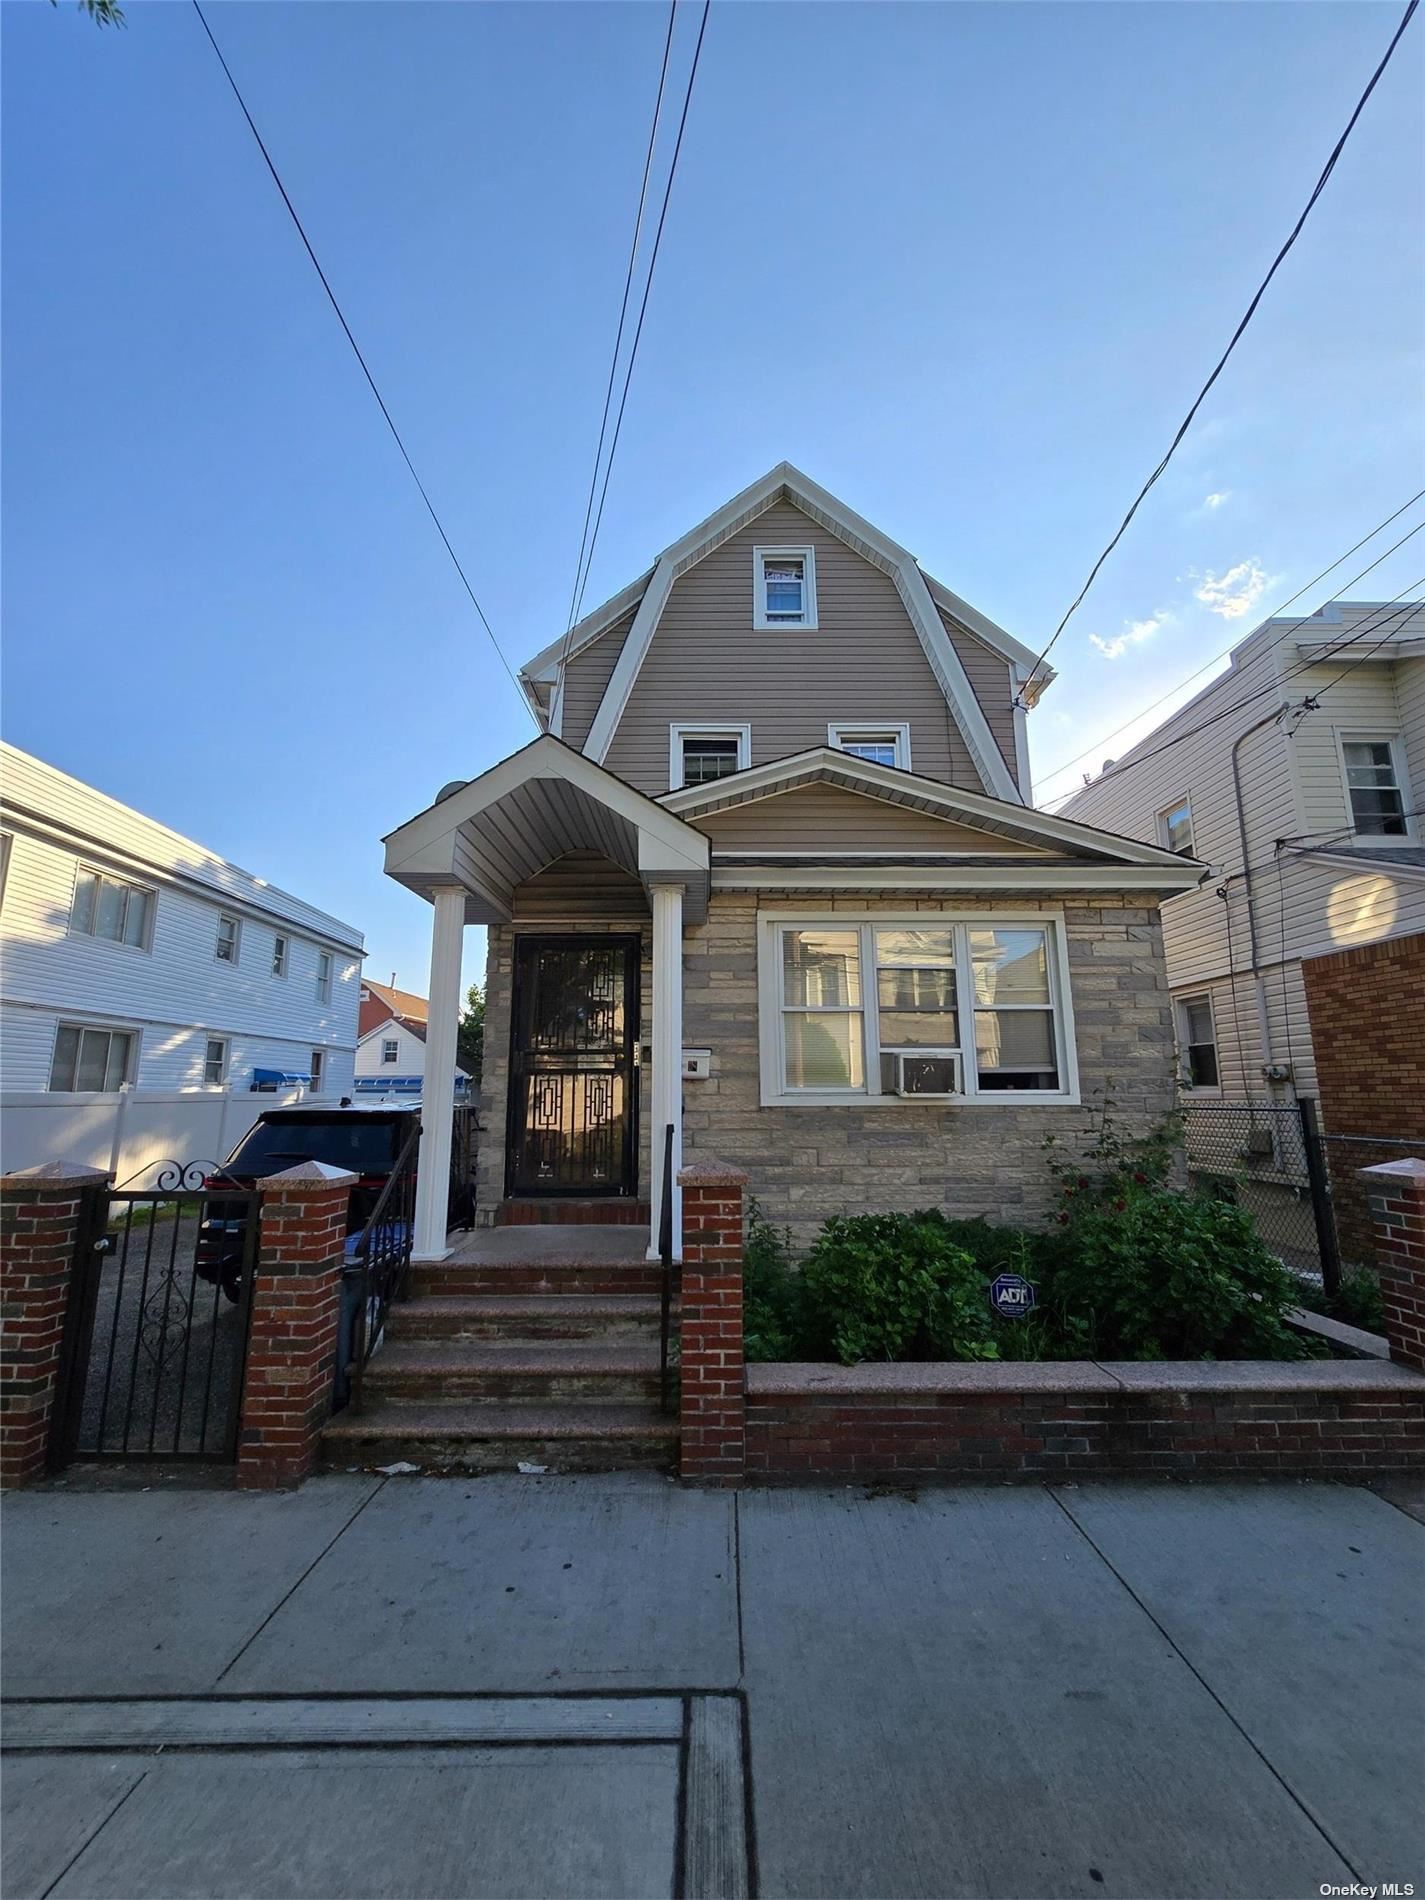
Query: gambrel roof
923, 597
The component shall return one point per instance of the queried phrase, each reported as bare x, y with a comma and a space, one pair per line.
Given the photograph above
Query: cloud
1235, 593
1135, 632
1216, 499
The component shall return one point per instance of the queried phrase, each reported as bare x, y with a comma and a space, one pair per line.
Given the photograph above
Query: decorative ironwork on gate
157, 1322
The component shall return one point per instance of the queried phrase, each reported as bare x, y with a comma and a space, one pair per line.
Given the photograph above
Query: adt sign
1012, 1296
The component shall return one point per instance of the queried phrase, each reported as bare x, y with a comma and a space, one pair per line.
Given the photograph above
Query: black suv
363, 1141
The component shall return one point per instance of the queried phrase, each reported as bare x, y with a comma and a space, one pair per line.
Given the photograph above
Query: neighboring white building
1298, 775
391, 1060
130, 954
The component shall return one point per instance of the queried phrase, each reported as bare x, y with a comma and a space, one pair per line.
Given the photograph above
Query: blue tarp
277, 1078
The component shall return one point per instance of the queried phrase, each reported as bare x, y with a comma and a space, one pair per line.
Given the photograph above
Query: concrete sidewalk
586, 1686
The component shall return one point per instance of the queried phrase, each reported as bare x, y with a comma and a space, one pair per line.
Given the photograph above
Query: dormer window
784, 588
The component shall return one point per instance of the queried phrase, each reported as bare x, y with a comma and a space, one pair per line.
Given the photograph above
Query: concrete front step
459, 1436
474, 1279
548, 1371
545, 1212
525, 1316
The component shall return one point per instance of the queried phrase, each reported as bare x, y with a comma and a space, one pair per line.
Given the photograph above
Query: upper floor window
229, 937
215, 1062
390, 1049
279, 956
1175, 827
784, 588
880, 745
699, 754
1375, 785
324, 977
109, 907
91, 1060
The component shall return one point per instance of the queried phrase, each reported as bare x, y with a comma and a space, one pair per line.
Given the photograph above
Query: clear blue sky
964, 264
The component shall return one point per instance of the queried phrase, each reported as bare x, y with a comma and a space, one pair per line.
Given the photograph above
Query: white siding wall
175, 992
410, 1056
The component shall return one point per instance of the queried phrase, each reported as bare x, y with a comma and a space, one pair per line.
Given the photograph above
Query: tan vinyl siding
1410, 698
1362, 701
581, 887
863, 664
827, 818
585, 678
989, 676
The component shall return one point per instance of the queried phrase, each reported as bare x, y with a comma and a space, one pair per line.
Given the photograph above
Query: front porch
584, 1033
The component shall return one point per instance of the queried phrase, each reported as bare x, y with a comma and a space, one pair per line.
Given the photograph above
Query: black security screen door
573, 1087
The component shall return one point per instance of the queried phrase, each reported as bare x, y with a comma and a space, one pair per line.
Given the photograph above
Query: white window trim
1377, 735
840, 734
133, 1031
770, 924
1160, 823
705, 729
281, 967
317, 1068
393, 1043
1198, 1090
322, 986
228, 917
760, 558
226, 1046
82, 866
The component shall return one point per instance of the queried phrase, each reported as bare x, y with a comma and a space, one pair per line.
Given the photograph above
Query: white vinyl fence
131, 1130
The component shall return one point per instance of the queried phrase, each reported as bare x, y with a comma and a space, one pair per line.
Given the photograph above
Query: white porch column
667, 1092
438, 1087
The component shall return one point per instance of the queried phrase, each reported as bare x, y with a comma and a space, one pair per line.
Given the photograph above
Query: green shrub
895, 1286
772, 1320
1154, 1274
1356, 1302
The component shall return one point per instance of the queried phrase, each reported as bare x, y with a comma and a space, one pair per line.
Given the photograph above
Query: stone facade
804, 1164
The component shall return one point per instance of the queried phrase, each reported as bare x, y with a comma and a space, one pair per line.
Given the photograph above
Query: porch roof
489, 834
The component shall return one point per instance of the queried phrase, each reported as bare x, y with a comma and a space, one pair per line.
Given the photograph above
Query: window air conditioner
923, 1073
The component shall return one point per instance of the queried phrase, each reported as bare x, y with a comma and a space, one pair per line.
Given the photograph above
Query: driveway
615, 1686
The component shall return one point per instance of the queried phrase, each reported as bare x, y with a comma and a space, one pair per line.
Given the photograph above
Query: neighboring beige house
1298, 967
770, 879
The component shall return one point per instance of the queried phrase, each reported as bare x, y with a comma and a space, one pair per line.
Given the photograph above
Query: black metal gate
573, 1114
156, 1328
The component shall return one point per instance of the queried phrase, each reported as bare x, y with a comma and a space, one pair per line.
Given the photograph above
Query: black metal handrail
665, 1255
382, 1260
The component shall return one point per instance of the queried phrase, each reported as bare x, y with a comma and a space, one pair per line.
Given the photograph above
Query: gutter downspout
1254, 960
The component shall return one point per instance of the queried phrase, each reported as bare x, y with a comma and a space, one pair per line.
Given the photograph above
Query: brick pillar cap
58, 1174
711, 1174
310, 1177
1387, 1172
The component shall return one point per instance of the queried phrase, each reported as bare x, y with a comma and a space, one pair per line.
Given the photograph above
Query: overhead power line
356, 351
1108, 738
642, 310
1393, 610
1235, 338
618, 335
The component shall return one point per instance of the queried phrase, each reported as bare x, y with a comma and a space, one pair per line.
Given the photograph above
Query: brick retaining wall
1037, 1421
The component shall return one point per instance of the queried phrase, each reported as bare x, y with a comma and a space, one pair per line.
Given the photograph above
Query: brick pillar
1397, 1197
296, 1309
41, 1210
712, 1408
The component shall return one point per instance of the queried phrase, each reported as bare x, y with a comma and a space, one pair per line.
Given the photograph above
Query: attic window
878, 745
784, 588
699, 754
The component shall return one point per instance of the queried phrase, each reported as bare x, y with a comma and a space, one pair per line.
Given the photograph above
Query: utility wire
1250, 312
1275, 614
618, 337
643, 307
356, 350
1393, 609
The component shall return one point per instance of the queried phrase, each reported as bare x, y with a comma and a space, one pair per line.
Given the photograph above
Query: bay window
878, 1008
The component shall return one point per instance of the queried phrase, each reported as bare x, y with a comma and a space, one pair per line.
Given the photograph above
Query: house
1298, 967
132, 955
381, 1002
768, 888
391, 1056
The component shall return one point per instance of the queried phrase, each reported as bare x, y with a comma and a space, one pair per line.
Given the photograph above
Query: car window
355, 1142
